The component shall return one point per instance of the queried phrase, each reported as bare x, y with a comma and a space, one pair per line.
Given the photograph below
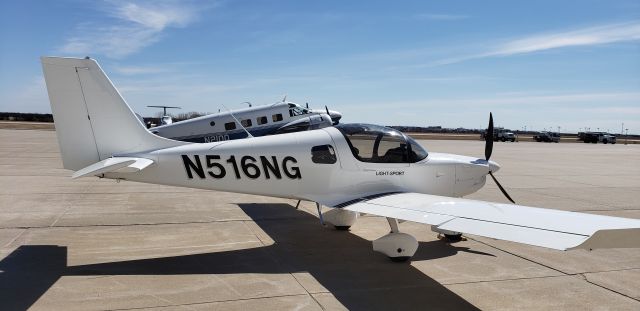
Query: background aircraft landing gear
397, 246
340, 219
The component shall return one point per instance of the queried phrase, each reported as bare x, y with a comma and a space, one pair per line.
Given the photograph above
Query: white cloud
623, 99
587, 36
132, 27
597, 35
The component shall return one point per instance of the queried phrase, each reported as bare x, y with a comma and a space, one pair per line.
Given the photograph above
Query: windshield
296, 110
378, 144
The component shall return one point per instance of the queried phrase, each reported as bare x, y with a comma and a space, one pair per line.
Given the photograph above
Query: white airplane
278, 118
165, 119
351, 168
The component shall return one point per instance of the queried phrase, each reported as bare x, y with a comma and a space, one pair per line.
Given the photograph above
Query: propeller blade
502, 189
327, 109
488, 147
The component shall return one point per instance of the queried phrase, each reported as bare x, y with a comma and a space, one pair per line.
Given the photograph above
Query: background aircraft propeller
488, 149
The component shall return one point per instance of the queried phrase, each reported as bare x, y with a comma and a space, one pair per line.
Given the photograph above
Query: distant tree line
435, 129
47, 117
28, 117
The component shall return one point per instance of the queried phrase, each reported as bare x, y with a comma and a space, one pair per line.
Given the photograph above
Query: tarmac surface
93, 244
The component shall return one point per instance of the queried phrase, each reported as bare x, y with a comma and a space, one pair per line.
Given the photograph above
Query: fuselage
309, 165
277, 118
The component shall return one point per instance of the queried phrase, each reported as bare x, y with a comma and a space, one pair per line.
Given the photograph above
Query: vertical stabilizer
93, 122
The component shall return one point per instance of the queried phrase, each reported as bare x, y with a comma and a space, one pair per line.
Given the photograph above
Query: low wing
535, 226
120, 164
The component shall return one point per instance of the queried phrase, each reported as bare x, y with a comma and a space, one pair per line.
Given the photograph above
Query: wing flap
529, 225
119, 164
525, 235
397, 213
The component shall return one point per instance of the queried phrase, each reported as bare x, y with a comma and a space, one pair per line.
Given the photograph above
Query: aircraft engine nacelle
469, 178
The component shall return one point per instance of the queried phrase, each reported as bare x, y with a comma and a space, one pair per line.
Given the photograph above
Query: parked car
548, 137
597, 137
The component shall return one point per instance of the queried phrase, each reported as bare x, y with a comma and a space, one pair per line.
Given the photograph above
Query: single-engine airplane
351, 168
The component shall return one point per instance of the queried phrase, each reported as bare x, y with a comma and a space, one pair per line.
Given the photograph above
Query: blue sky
540, 64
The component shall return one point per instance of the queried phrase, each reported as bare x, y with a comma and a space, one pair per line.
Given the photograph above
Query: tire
454, 237
604, 142
400, 259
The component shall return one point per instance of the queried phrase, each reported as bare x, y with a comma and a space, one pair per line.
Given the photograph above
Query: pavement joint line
540, 277
70, 205
147, 224
15, 238
519, 256
509, 279
606, 288
549, 267
307, 291
207, 302
274, 258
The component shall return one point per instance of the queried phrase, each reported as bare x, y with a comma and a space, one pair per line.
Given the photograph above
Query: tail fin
93, 122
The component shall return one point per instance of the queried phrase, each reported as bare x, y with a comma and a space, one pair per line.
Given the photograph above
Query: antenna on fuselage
284, 99
234, 117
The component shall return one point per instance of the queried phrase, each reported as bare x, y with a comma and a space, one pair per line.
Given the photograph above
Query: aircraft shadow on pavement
341, 262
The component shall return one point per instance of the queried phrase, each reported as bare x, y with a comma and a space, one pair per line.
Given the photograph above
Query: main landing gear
450, 236
396, 245
339, 218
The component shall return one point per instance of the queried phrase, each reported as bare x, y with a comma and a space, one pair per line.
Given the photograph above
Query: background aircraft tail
93, 122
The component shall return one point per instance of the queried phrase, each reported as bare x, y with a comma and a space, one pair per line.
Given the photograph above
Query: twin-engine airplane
278, 118
351, 168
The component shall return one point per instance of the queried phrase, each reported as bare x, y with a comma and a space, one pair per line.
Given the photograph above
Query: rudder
93, 122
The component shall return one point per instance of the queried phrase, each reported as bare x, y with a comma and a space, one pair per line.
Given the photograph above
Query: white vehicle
278, 118
352, 169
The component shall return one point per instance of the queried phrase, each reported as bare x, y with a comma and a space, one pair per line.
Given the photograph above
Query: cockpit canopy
296, 110
379, 144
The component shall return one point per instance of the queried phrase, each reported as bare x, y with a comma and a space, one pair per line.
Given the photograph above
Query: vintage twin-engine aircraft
278, 118
351, 168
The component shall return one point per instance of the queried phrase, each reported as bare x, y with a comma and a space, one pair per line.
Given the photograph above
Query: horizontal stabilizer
120, 164
550, 228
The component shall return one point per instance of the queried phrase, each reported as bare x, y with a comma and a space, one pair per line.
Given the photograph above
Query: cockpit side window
391, 149
323, 154
297, 111
417, 153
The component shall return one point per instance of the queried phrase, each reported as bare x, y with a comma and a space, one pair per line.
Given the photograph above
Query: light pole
626, 137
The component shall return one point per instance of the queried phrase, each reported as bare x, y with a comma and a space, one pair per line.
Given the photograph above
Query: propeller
327, 110
488, 149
